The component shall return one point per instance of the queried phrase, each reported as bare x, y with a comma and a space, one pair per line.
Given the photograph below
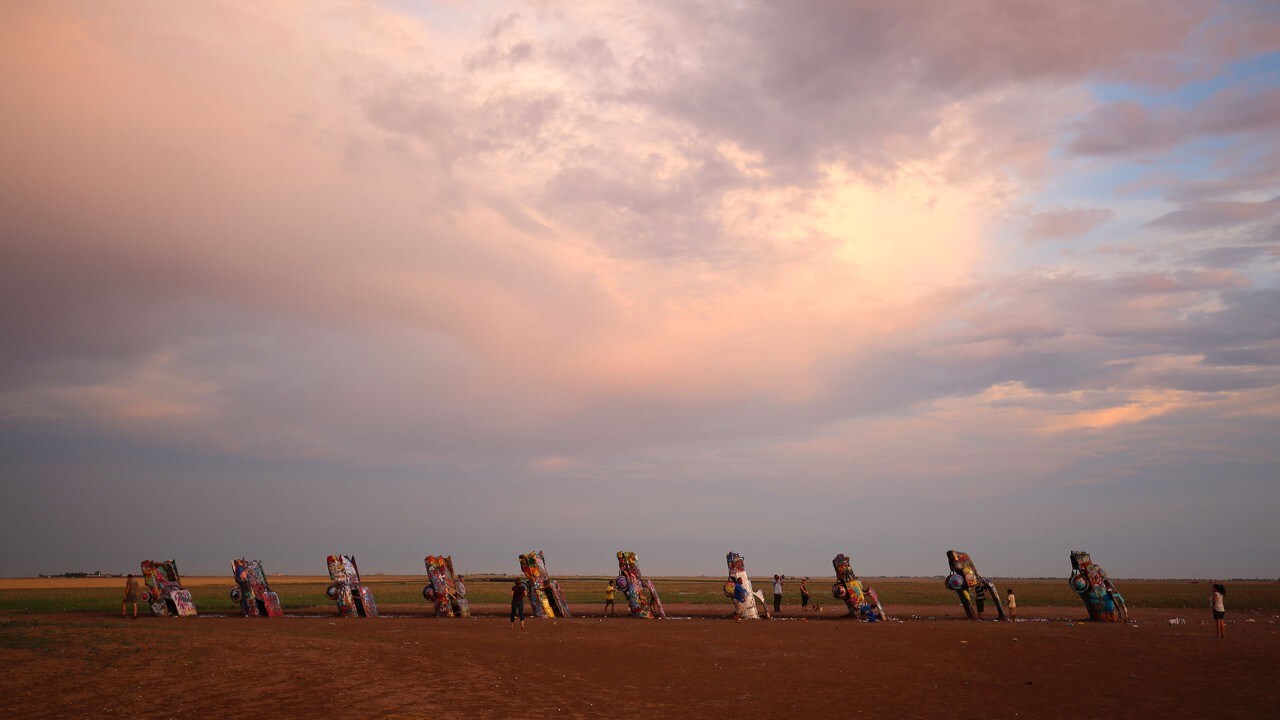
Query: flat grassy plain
586, 594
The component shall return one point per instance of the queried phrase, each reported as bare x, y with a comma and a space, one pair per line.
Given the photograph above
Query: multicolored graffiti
973, 590
446, 590
1101, 599
354, 598
863, 604
165, 594
251, 590
642, 596
544, 593
738, 569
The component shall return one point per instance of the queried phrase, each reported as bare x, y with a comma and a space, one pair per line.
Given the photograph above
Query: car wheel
332, 591
235, 594
955, 581
838, 591
620, 582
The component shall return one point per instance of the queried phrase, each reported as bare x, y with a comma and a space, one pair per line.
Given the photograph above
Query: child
804, 594
1013, 606
608, 598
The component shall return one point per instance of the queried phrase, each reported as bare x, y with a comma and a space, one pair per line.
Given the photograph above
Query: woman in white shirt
1219, 609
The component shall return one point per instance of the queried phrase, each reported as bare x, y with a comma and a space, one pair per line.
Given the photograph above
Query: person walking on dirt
777, 594
517, 603
804, 594
608, 598
740, 596
130, 597
1013, 605
1217, 605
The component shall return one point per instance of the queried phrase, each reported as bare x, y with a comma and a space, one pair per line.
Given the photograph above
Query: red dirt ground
76, 666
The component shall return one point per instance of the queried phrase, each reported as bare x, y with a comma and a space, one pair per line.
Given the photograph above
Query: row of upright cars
447, 592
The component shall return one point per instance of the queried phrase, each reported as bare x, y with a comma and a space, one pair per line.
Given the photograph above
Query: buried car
544, 594
445, 589
863, 603
1101, 599
165, 594
973, 590
642, 596
738, 569
251, 590
354, 598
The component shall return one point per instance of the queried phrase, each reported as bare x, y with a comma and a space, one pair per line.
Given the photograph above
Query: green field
588, 594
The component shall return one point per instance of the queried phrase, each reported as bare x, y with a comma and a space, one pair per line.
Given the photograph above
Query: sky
280, 280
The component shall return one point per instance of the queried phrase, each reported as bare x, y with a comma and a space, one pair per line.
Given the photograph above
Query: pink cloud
1065, 224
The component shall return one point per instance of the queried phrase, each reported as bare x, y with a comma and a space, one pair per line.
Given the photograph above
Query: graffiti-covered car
642, 596
252, 592
973, 590
165, 594
863, 602
544, 594
445, 590
354, 599
1101, 599
738, 569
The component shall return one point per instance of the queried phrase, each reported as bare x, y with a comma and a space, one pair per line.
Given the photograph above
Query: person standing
1013, 605
608, 598
517, 603
1217, 603
804, 594
981, 597
777, 594
740, 596
130, 597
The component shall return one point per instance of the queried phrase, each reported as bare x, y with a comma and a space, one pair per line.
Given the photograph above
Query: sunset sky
286, 279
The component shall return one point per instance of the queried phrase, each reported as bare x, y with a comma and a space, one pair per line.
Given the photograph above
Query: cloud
1065, 224
676, 246
1126, 127
1213, 214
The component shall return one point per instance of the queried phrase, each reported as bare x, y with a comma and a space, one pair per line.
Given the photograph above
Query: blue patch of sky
1261, 69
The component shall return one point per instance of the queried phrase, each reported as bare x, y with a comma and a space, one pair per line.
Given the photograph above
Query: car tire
955, 581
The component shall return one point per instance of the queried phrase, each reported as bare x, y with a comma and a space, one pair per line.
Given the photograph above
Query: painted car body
544, 594
863, 603
444, 590
1090, 582
738, 569
642, 596
969, 585
354, 598
252, 592
165, 594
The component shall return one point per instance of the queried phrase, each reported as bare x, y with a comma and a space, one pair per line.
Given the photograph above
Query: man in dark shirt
517, 603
